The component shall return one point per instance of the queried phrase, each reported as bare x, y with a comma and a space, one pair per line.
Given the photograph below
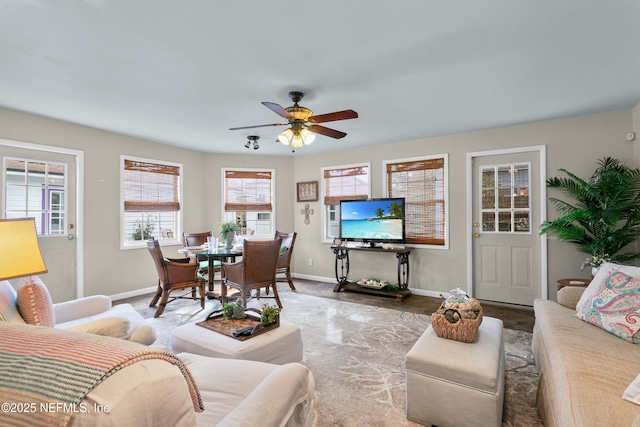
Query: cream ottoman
280, 345
450, 383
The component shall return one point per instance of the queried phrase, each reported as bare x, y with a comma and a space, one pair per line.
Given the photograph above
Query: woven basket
464, 330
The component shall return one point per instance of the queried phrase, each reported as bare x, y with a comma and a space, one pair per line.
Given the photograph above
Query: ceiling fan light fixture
297, 141
286, 136
299, 113
307, 136
303, 125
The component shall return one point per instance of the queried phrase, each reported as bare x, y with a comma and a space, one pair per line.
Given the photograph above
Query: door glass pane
521, 222
488, 178
488, 221
504, 176
504, 221
488, 199
504, 198
521, 197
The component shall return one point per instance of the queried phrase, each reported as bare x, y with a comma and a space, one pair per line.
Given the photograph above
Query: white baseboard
138, 292
421, 292
132, 294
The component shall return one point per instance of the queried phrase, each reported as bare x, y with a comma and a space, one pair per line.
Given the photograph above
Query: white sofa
93, 314
235, 393
152, 392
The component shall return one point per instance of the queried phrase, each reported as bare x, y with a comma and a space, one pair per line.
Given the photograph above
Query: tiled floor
514, 317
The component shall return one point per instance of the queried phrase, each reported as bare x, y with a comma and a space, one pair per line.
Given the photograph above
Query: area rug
357, 355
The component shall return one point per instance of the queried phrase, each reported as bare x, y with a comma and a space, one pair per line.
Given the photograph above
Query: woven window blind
421, 183
247, 191
150, 187
350, 183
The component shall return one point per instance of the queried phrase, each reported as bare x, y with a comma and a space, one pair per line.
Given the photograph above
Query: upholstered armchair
95, 314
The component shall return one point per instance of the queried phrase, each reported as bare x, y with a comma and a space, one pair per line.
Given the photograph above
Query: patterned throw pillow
8, 304
615, 306
34, 302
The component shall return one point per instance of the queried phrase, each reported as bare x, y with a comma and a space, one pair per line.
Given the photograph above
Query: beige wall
575, 144
107, 269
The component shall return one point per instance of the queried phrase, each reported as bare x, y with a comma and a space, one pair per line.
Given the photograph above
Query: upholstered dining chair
284, 260
199, 239
174, 274
256, 270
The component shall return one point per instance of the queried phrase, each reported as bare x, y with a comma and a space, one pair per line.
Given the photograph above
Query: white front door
42, 185
506, 214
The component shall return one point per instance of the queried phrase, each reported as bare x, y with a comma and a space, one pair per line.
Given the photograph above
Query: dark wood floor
514, 317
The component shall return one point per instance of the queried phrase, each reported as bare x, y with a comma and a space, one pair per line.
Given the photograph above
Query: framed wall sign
308, 191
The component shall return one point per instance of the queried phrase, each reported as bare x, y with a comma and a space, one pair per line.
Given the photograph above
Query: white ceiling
184, 72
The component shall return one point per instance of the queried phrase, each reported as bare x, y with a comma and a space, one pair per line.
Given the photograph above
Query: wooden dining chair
174, 274
284, 259
199, 239
256, 270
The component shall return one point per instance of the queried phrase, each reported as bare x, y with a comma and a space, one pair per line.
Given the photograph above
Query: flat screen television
372, 221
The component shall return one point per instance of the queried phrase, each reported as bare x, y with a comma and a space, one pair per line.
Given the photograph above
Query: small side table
583, 283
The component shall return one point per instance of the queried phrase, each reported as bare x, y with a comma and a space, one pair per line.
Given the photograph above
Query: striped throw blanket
45, 373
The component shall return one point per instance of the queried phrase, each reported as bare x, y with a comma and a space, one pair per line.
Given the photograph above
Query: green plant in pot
603, 216
233, 310
268, 314
228, 232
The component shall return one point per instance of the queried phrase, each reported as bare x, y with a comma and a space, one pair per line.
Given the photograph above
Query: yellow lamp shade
19, 248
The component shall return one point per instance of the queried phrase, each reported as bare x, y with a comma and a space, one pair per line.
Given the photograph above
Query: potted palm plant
603, 217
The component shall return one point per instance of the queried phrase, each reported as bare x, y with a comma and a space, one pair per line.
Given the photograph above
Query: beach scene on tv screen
372, 219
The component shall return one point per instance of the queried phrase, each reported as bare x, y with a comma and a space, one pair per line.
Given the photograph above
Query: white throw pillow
116, 327
145, 334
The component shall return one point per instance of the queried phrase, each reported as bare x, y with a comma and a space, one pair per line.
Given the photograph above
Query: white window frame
126, 244
326, 226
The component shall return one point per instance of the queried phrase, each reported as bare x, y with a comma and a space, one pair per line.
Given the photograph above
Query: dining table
220, 253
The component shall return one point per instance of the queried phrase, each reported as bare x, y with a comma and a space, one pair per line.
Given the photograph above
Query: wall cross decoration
306, 212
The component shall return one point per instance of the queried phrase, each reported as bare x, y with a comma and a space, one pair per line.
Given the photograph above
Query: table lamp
19, 248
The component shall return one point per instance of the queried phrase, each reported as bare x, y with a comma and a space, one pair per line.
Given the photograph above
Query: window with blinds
150, 200
350, 182
248, 199
422, 182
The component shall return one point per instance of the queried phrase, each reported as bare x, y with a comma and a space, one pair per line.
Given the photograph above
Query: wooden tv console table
342, 271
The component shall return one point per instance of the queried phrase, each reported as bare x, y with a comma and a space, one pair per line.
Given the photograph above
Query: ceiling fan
303, 123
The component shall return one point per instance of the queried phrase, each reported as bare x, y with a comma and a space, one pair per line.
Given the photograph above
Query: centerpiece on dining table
228, 233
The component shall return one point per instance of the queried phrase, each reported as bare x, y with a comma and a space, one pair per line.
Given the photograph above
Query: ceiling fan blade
326, 131
259, 126
276, 108
332, 117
